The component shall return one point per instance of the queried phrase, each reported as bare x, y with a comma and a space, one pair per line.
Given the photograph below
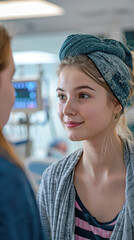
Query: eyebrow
77, 88
81, 87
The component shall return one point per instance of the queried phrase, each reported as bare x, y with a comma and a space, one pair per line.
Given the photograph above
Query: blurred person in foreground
19, 216
90, 193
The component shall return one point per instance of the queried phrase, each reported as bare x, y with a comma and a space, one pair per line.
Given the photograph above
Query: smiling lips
71, 124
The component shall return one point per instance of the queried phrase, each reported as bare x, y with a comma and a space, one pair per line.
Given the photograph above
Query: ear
117, 107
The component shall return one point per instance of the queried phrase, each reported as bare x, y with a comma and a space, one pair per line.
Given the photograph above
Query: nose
70, 108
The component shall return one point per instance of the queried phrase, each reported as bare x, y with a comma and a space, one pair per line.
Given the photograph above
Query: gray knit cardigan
56, 199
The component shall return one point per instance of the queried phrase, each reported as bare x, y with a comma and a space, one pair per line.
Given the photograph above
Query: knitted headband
111, 58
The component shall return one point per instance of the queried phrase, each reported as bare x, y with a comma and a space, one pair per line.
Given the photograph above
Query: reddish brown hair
5, 41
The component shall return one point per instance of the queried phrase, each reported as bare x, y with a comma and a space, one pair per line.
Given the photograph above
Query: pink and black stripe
87, 227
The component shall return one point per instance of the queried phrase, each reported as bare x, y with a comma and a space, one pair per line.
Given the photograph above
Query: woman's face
6, 91
83, 105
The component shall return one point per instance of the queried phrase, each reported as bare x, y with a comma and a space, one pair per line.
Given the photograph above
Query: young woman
19, 216
90, 193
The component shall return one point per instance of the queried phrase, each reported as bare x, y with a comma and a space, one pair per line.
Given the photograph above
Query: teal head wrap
111, 58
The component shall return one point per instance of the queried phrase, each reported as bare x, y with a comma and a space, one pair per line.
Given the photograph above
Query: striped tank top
87, 227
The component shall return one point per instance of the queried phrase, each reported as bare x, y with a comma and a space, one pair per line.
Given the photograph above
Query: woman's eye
61, 97
84, 95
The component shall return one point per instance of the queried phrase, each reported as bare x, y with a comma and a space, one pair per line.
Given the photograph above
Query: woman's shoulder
129, 146
57, 177
14, 183
62, 168
7, 166
13, 178
129, 152
17, 201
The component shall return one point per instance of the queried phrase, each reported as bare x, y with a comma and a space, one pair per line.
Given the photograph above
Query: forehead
72, 76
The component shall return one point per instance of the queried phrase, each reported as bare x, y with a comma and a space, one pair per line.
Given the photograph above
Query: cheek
10, 96
13, 95
59, 111
99, 115
92, 112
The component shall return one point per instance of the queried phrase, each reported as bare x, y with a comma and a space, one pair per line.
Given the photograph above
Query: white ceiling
93, 16
108, 17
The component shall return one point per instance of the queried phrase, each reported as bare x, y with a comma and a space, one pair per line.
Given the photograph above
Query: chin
74, 138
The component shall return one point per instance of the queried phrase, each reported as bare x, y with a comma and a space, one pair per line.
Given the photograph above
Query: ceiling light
28, 9
34, 57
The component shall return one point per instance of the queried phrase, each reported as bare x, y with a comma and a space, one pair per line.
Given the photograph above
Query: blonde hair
87, 66
132, 52
5, 147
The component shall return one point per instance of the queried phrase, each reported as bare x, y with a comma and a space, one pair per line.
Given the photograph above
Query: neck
103, 155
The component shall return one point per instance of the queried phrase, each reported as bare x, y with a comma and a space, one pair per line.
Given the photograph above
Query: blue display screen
25, 95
